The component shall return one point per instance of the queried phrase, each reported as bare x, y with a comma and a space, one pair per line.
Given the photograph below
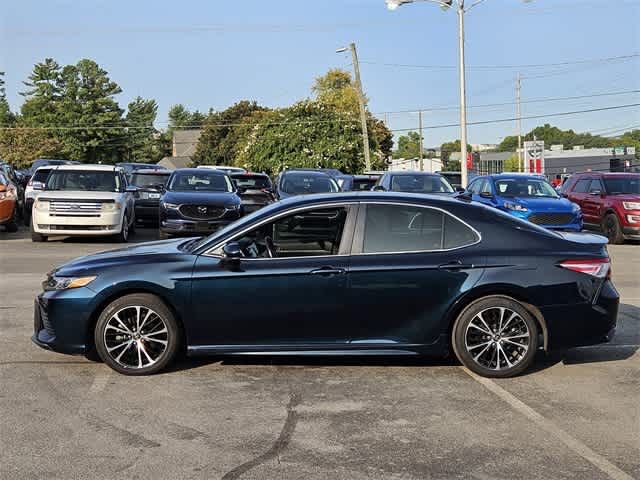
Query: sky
212, 53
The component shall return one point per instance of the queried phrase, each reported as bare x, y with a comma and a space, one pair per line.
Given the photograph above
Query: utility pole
463, 98
519, 117
420, 148
363, 112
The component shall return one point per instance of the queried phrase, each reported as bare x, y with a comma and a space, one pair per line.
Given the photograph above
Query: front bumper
583, 324
104, 223
61, 320
175, 226
6, 210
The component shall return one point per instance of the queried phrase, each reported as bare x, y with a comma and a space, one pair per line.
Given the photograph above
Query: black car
364, 182
303, 181
150, 186
255, 190
413, 182
41, 162
129, 167
339, 274
454, 178
198, 201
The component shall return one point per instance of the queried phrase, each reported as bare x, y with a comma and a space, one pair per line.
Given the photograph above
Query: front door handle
327, 271
457, 265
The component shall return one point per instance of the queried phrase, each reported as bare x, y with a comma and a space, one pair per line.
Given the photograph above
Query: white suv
84, 200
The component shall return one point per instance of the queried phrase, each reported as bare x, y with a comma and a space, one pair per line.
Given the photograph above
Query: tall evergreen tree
142, 144
6, 117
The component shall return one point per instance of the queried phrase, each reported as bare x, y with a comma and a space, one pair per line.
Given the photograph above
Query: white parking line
574, 444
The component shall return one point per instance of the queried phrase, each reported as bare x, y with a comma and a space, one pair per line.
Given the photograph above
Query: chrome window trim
407, 204
211, 252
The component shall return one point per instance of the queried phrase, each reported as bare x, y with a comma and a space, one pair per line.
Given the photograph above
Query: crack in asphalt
278, 446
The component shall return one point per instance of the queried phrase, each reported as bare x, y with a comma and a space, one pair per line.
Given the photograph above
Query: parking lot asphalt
572, 416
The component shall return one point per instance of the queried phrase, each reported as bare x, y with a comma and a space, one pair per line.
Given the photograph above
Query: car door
592, 201
408, 264
579, 193
294, 298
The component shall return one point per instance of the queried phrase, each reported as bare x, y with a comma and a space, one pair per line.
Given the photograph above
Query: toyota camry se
339, 274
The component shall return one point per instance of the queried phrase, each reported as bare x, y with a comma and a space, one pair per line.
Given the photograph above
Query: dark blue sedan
339, 274
528, 197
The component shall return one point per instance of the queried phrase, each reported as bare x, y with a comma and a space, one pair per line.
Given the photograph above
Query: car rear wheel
495, 337
612, 229
137, 335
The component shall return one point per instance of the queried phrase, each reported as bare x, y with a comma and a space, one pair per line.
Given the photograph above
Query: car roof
200, 171
88, 167
151, 171
413, 173
608, 174
371, 196
248, 174
513, 175
306, 171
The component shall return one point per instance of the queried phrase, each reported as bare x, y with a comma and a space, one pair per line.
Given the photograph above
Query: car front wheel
137, 335
495, 336
612, 229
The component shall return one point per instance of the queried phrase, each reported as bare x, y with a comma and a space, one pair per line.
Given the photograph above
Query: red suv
609, 201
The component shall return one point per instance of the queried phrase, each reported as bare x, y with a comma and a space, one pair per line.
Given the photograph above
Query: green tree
181, 117
555, 136
511, 164
409, 145
42, 96
446, 149
21, 146
6, 116
220, 134
142, 138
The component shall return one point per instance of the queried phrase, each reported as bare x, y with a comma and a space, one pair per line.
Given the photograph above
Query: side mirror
486, 195
460, 189
378, 188
595, 192
232, 250
37, 186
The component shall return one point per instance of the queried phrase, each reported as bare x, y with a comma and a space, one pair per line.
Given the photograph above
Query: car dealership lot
257, 417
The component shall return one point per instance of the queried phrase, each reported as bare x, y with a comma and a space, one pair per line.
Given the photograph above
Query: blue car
528, 197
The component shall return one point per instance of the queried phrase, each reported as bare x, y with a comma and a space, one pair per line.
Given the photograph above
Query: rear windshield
301, 183
617, 186
146, 180
420, 184
360, 185
41, 175
84, 180
252, 181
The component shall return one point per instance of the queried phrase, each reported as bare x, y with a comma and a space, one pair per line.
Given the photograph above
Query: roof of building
173, 163
185, 142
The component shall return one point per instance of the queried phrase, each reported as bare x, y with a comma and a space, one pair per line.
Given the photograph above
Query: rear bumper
583, 324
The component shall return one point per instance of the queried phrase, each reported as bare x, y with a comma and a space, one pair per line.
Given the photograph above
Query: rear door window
582, 185
405, 228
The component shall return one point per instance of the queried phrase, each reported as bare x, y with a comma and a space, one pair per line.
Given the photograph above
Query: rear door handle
457, 265
326, 271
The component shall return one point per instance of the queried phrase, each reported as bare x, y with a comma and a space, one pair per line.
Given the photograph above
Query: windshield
618, 186
200, 182
41, 175
146, 180
420, 184
524, 187
84, 180
256, 182
301, 184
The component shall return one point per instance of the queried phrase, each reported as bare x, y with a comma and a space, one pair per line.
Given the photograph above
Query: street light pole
464, 175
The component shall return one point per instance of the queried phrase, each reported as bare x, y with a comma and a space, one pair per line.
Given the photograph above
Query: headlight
575, 208
42, 205
66, 283
515, 207
631, 205
169, 206
111, 207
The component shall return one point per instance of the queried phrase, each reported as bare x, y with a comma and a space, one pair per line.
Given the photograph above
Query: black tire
12, 225
481, 364
37, 237
124, 304
612, 229
123, 236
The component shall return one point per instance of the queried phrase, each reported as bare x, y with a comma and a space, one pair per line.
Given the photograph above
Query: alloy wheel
136, 337
497, 338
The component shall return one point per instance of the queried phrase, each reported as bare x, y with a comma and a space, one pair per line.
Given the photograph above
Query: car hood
141, 253
626, 197
542, 204
201, 198
78, 195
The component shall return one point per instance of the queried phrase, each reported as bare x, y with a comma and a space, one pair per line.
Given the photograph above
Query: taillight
597, 267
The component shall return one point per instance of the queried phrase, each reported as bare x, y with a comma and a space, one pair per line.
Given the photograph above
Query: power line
509, 67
